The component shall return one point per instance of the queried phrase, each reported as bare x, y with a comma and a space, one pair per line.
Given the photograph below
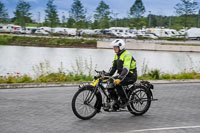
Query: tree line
187, 15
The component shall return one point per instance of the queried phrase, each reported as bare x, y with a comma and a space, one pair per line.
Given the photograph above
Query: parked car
41, 32
150, 36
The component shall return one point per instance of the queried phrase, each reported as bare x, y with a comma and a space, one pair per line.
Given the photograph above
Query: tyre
140, 101
83, 103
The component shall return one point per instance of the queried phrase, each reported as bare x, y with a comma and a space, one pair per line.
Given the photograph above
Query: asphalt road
48, 110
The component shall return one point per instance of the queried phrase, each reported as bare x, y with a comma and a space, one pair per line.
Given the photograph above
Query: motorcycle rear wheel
140, 101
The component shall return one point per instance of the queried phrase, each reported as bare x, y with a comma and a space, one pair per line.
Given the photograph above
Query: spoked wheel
83, 103
140, 101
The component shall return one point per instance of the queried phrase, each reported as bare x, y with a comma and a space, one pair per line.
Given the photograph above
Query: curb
72, 84
38, 85
179, 81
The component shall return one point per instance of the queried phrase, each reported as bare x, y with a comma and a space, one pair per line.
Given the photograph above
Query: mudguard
147, 85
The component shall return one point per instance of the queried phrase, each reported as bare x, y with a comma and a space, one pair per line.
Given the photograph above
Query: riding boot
122, 94
113, 94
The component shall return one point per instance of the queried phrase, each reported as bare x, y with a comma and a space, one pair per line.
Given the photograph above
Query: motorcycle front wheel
140, 101
83, 103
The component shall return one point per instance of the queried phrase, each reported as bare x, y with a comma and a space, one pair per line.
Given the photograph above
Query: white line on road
159, 129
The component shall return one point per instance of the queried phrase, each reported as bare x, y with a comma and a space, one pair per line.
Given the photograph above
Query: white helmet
118, 42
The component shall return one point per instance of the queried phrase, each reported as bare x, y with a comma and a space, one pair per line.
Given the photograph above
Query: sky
119, 7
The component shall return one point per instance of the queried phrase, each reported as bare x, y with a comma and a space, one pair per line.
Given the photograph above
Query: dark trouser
129, 79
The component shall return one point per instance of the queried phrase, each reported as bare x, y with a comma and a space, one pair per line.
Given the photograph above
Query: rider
125, 65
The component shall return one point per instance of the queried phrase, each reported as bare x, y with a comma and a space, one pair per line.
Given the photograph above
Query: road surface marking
159, 129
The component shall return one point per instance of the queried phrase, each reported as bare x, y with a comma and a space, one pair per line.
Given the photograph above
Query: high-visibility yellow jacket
124, 64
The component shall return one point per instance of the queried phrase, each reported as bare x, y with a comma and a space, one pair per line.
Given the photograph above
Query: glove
117, 81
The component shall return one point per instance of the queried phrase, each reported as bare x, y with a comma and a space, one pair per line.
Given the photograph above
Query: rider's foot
123, 103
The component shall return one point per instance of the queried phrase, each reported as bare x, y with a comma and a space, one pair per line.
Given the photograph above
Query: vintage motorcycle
101, 93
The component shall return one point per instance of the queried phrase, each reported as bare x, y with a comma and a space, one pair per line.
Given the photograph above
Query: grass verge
45, 41
74, 77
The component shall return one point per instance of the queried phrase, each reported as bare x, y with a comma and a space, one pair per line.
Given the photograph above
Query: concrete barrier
153, 46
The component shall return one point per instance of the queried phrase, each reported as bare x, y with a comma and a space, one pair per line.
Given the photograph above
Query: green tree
3, 13
71, 23
136, 11
102, 15
198, 19
22, 13
64, 21
95, 25
185, 9
78, 12
51, 18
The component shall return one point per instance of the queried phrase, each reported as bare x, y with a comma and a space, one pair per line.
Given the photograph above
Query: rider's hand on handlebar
117, 81
107, 74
